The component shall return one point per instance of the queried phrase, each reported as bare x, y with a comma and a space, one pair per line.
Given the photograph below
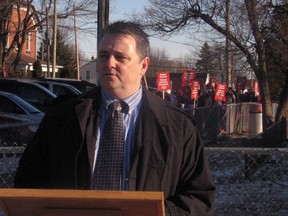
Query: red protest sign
163, 81
195, 87
256, 87
220, 94
187, 77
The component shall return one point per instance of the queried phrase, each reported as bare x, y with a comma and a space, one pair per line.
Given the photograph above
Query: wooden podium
44, 202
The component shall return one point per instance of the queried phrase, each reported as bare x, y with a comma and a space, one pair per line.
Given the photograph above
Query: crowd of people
206, 98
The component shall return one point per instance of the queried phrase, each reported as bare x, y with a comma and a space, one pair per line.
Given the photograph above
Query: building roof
89, 62
24, 59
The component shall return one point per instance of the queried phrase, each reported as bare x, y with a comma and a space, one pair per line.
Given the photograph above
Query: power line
176, 42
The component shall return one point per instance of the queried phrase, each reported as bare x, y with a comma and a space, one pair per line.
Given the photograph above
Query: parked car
16, 131
82, 85
62, 88
31, 92
14, 105
59, 88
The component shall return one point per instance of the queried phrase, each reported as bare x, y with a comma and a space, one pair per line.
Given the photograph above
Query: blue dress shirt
130, 113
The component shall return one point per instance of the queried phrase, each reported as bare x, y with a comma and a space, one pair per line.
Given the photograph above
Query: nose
111, 62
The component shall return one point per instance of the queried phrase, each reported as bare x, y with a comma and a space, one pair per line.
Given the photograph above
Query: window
87, 75
60, 90
33, 95
8, 106
8, 40
29, 42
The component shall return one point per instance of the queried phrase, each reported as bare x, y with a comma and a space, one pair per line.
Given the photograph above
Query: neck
121, 94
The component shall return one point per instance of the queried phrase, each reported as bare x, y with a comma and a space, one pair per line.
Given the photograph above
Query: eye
120, 58
103, 56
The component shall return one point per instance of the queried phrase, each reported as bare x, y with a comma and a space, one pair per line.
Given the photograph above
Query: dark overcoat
167, 156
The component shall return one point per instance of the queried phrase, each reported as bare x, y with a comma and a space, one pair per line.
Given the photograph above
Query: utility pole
76, 44
54, 39
48, 42
103, 18
228, 46
43, 34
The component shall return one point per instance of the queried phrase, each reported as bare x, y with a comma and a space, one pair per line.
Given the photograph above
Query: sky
175, 47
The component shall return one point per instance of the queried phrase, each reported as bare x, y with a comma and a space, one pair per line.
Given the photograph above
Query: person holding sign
162, 147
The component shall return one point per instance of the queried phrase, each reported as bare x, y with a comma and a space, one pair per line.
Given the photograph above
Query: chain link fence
17, 134
229, 119
14, 137
249, 181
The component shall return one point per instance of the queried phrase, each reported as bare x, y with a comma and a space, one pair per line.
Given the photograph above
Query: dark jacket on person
167, 156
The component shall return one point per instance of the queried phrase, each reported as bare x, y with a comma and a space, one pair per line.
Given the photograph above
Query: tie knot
115, 106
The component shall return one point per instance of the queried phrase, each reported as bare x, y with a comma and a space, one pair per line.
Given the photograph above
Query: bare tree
276, 42
17, 29
215, 62
160, 61
248, 19
35, 11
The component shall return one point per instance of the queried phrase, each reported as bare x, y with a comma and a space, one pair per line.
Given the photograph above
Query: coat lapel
151, 143
88, 113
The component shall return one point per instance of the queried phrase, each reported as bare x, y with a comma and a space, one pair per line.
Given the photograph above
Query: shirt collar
132, 101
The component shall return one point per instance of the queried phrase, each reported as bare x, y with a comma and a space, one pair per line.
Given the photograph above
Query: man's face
119, 66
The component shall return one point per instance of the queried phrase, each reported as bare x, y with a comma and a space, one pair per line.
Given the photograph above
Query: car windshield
31, 109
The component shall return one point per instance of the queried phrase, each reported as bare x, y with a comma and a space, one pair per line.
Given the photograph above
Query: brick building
17, 23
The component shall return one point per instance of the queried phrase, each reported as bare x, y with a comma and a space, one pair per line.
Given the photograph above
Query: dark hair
133, 29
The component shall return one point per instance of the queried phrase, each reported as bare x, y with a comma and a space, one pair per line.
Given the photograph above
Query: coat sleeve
32, 170
52, 157
195, 191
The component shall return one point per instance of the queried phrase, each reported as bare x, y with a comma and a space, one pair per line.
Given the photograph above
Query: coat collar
89, 105
91, 101
153, 104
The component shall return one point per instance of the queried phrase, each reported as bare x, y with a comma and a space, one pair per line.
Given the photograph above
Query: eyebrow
115, 52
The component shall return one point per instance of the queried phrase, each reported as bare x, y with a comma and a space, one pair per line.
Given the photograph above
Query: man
163, 150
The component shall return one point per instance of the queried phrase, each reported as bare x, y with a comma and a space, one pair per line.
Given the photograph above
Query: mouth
110, 73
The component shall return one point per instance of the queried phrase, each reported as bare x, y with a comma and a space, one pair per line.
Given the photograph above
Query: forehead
117, 42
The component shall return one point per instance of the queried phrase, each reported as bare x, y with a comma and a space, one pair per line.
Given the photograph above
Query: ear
144, 65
